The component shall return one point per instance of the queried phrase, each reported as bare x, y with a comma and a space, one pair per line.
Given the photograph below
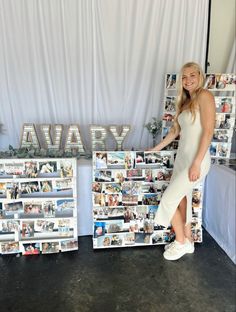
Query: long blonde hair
183, 95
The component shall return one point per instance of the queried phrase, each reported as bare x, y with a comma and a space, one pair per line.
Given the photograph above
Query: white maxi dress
180, 185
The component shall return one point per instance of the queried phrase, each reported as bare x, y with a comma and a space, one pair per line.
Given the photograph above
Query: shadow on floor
125, 280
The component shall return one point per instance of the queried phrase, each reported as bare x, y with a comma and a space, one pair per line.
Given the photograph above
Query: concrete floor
124, 280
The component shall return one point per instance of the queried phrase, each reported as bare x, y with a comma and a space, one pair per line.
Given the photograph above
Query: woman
194, 121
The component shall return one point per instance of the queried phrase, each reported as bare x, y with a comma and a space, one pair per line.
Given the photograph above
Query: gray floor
128, 279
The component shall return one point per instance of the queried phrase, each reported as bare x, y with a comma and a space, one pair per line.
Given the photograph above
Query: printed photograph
115, 213
49, 209
31, 169
114, 226
129, 200
50, 247
171, 81
134, 174
116, 159
65, 208
129, 160
66, 168
46, 186
64, 187
148, 226
99, 229
224, 104
113, 200
10, 209
129, 214
64, 228
44, 226
99, 199
111, 188
14, 169
129, 239
210, 81
119, 176
139, 159
149, 187
152, 209
48, 168
131, 188
196, 198
69, 245
104, 241
150, 175
27, 229
212, 149
29, 188
32, 210
151, 199
170, 104
100, 213
167, 159
97, 187
223, 150
222, 135
142, 238
103, 176
12, 190
116, 240
101, 160
31, 249
141, 213
10, 248
9, 226
153, 158
157, 238
226, 82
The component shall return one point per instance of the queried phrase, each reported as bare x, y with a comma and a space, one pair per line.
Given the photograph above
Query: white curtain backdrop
93, 61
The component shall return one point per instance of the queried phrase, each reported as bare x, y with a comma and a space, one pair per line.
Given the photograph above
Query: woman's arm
207, 114
171, 136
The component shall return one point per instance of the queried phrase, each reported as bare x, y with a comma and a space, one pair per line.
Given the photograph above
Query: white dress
180, 186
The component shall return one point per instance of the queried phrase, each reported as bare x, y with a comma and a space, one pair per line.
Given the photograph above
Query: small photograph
197, 235
151, 199
129, 200
141, 213
167, 159
168, 236
196, 198
222, 135
49, 209
129, 214
164, 174
139, 159
12, 190
48, 168
64, 186
149, 187
225, 82
148, 226
162, 186
142, 238
152, 209
222, 150
100, 213
116, 240
65, 208
103, 176
212, 149
27, 229
168, 119
99, 229
14, 169
131, 188
10, 226
129, 239
50, 247
129, 160
64, 227
104, 241
170, 104
46, 186
1, 211
119, 175
69, 245
150, 175
101, 160
28, 188
152, 158
113, 200
116, 159
224, 121
31, 169
44, 226
224, 104
172, 146
10, 209
114, 226
2, 170
171, 81
210, 82
33, 210
134, 174
66, 168
97, 187
99, 199
115, 213
157, 238
3, 190
111, 188
10, 248
31, 249
134, 227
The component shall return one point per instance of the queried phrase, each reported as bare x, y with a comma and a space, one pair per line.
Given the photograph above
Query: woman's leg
178, 225
187, 228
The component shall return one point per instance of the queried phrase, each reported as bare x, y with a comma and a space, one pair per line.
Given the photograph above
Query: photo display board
126, 190
38, 206
223, 87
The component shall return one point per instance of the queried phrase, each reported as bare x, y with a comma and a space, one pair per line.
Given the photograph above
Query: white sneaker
191, 248
177, 250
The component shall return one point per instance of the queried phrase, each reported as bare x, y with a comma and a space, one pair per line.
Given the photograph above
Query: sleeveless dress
180, 185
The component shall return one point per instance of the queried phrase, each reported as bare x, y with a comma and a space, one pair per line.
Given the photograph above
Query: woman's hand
194, 172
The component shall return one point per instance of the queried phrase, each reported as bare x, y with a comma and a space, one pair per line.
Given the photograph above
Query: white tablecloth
219, 208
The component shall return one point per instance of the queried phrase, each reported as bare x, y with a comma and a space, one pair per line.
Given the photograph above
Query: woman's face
190, 79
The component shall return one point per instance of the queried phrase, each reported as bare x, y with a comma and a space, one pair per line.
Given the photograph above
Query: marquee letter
119, 137
29, 136
73, 139
98, 135
56, 142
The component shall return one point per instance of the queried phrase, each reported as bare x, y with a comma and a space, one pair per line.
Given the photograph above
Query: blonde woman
194, 122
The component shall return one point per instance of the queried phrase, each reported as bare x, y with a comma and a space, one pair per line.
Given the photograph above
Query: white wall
222, 34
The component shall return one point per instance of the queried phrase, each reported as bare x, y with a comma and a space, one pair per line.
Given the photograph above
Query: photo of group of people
125, 201
38, 168
38, 210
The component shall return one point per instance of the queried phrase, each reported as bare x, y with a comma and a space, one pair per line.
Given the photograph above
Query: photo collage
223, 87
126, 191
38, 205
